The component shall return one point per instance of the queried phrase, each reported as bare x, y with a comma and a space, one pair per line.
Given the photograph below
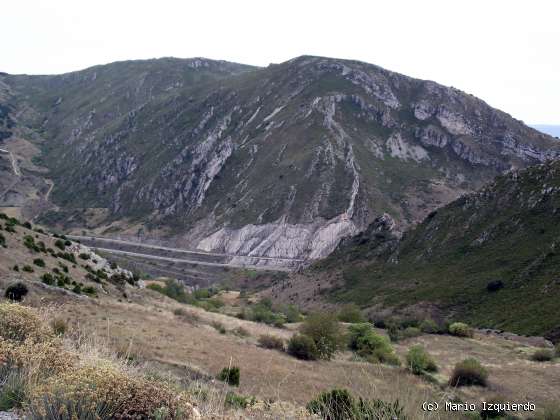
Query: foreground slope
490, 257
281, 161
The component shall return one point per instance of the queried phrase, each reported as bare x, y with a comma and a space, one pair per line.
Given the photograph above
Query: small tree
461, 329
16, 291
230, 375
418, 360
324, 329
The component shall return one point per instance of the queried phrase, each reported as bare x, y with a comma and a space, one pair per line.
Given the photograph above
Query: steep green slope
508, 232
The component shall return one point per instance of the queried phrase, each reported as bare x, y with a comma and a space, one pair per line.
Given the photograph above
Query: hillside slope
281, 161
490, 258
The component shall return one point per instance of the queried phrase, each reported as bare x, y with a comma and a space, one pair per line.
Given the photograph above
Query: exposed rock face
279, 161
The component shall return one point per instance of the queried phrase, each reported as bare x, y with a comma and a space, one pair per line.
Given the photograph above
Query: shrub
68, 256
13, 390
19, 323
39, 262
234, 400
48, 279
16, 268
428, 326
557, 349
290, 312
90, 290
351, 313
495, 285
542, 355
339, 404
410, 332
58, 326
16, 291
324, 329
230, 375
302, 347
241, 332
469, 372
373, 347
27, 225
461, 329
419, 361
59, 243
84, 256
218, 326
2, 240
269, 341
101, 385
74, 407
28, 269
179, 312
336, 404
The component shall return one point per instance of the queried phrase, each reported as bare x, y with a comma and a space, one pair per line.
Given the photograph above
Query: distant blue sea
553, 130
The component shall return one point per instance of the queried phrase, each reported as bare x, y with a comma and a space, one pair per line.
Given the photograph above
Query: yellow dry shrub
130, 397
20, 323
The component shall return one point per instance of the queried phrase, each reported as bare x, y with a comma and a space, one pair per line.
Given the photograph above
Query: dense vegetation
477, 258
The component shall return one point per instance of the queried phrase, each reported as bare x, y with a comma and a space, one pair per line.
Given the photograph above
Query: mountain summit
281, 161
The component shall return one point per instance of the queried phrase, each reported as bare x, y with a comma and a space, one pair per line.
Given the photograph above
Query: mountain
490, 258
551, 130
281, 161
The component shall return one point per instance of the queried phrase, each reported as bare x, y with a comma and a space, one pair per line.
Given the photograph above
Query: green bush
269, 341
290, 312
39, 262
411, 332
557, 349
351, 313
428, 326
325, 330
230, 375
59, 243
48, 278
234, 401
339, 404
469, 372
419, 361
16, 291
461, 329
2, 240
302, 347
84, 256
542, 355
335, 404
368, 344
68, 256
16, 267
28, 269
90, 290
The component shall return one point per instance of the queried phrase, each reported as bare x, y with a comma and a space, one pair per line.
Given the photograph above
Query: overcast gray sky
505, 52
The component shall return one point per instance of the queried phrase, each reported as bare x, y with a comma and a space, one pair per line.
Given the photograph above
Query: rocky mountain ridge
281, 161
